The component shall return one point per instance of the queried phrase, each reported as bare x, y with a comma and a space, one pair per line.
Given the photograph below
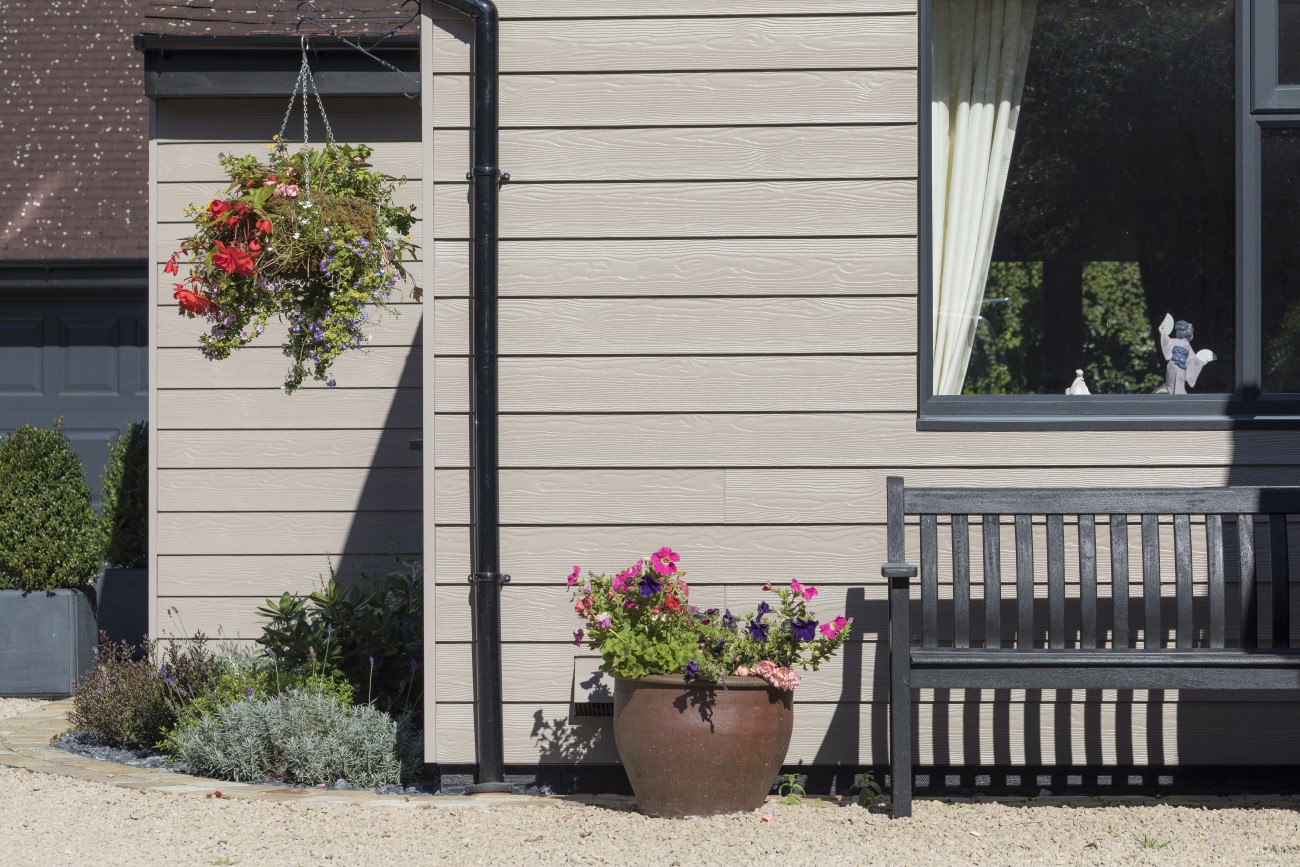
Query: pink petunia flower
809, 592
835, 627
796, 588
577, 637
664, 561
603, 621
573, 576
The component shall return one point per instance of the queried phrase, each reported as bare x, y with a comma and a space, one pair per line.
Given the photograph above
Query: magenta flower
835, 627
767, 585
573, 576
664, 561
603, 621
577, 637
809, 592
796, 588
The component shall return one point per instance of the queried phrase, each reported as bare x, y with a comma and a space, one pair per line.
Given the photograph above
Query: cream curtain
981, 50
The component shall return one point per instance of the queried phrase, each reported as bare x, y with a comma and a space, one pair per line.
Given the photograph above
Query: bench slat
1151, 581
1055, 582
1087, 581
1214, 572
960, 581
1079, 501
929, 581
1119, 579
1025, 581
992, 580
1281, 580
1183, 579
1249, 600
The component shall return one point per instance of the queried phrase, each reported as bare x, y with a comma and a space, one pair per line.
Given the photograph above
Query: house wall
256, 493
709, 340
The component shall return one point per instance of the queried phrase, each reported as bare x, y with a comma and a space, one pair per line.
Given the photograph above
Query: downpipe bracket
487, 171
489, 578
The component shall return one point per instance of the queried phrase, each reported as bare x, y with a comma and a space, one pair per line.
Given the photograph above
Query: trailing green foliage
129, 701
371, 633
300, 737
126, 498
49, 534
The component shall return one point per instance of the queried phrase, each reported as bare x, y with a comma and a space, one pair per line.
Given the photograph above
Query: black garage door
84, 360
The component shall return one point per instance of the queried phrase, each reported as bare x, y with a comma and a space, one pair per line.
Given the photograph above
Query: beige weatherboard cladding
708, 335
254, 490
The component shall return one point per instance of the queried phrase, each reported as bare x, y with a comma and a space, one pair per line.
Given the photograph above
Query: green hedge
126, 498
50, 536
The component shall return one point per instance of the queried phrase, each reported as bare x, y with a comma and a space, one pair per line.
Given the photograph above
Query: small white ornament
1078, 386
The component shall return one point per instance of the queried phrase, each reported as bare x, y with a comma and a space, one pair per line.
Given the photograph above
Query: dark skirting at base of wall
1012, 781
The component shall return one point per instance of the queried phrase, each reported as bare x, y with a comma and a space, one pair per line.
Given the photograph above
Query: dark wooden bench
1007, 656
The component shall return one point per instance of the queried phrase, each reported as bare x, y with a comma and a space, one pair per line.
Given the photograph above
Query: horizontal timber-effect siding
258, 492
708, 334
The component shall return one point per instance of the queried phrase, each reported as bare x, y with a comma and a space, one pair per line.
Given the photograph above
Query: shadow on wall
387, 523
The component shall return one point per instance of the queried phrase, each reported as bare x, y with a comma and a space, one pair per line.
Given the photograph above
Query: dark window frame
1246, 407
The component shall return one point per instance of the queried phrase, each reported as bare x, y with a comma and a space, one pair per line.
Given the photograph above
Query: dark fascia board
238, 67
86, 279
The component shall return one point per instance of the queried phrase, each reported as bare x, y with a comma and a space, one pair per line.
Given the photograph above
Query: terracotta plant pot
704, 748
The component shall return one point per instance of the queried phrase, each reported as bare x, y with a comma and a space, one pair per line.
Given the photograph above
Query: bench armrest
898, 570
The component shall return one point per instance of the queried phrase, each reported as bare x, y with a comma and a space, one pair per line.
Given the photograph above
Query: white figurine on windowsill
1078, 386
1183, 366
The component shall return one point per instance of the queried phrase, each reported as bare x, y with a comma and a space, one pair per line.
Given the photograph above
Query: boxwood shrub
126, 498
50, 536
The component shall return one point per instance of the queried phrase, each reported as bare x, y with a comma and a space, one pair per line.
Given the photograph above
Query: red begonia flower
193, 301
170, 267
264, 226
233, 260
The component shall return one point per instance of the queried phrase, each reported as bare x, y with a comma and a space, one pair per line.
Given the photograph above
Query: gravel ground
55, 820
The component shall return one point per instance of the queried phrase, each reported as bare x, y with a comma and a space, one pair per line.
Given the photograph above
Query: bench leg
900, 752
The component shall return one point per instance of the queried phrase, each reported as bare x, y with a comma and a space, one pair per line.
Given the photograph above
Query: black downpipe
487, 578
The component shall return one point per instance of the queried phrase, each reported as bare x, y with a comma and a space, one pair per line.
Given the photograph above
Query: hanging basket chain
306, 81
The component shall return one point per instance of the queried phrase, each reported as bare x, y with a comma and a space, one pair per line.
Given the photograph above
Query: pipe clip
489, 578
487, 171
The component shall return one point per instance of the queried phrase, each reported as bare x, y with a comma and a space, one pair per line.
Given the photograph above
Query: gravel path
48, 819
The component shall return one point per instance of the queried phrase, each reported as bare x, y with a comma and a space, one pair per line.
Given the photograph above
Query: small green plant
49, 534
300, 737
1151, 842
370, 633
792, 792
869, 791
126, 498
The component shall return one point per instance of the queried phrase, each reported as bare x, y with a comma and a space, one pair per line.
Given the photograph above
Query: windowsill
1108, 412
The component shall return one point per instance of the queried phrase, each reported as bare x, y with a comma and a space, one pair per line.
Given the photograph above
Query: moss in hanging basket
311, 238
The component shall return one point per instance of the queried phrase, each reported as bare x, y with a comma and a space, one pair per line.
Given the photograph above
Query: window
1095, 166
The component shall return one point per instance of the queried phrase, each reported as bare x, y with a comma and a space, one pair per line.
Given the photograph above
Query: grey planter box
47, 640
122, 603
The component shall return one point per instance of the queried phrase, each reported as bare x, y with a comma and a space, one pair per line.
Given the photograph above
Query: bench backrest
1233, 510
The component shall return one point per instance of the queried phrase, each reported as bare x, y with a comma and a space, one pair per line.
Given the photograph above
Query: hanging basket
310, 237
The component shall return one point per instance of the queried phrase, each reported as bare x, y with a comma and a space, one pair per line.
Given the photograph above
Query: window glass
1281, 259
1288, 42
1118, 204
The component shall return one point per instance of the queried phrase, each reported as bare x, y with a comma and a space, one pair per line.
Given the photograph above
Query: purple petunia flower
692, 670
729, 620
763, 609
804, 630
758, 631
649, 586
